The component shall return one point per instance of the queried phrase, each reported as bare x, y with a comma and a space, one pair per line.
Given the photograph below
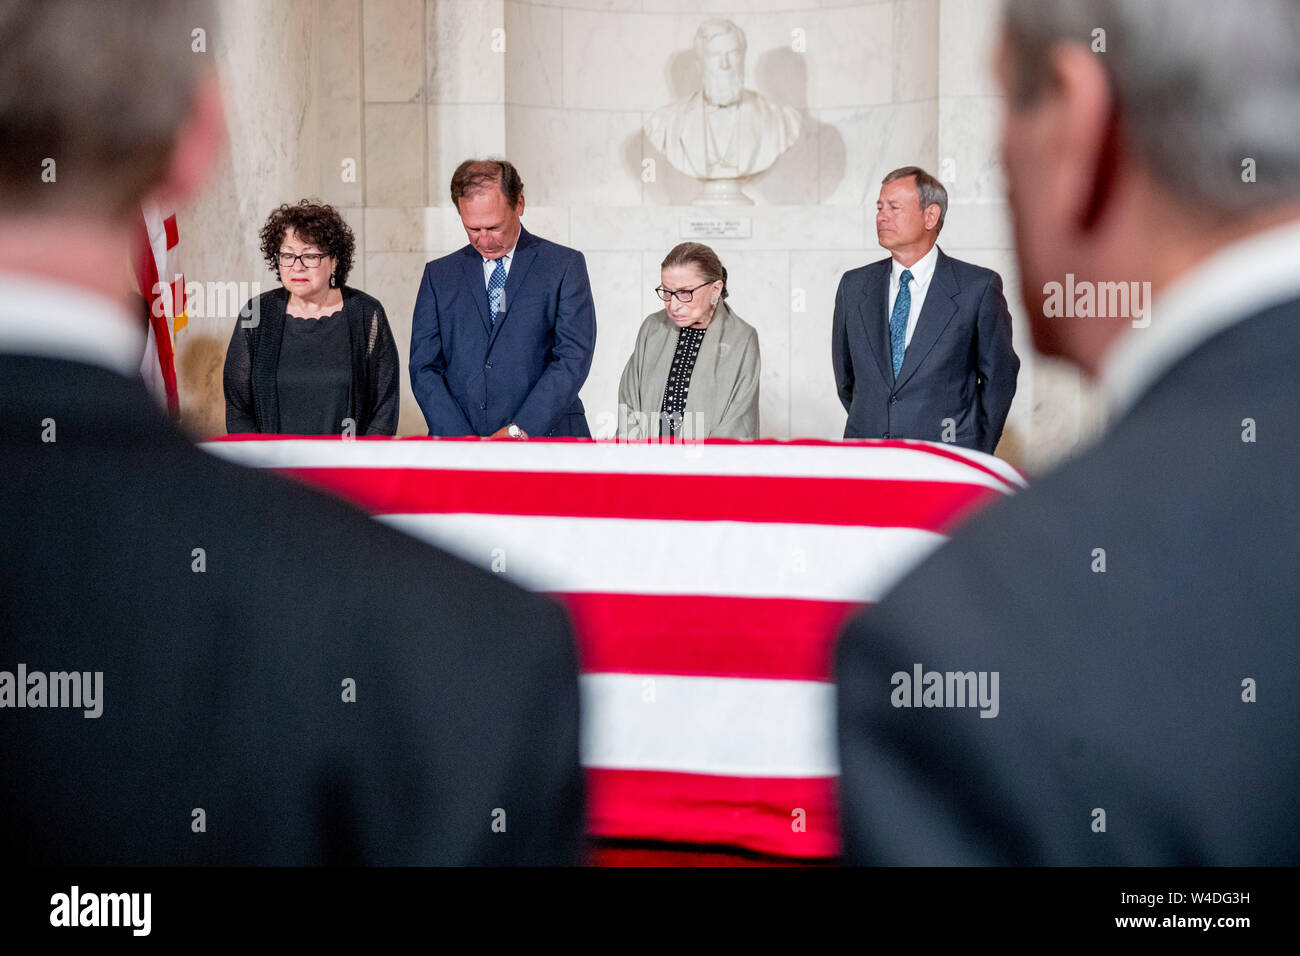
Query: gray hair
101, 89
702, 257
1200, 88
715, 28
929, 191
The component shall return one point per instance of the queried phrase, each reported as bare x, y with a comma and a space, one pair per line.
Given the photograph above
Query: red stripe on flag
146, 270
772, 638
613, 852
173, 236
928, 505
927, 448
930, 449
167, 361
753, 812
147, 274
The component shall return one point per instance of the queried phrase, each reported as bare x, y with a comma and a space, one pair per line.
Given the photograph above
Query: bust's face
722, 62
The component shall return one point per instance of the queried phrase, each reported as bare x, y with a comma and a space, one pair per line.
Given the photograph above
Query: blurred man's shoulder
315, 542
1173, 464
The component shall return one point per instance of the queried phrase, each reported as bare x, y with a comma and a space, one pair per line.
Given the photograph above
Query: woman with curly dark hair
314, 357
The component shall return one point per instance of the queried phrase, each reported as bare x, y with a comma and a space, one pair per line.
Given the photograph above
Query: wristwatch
514, 432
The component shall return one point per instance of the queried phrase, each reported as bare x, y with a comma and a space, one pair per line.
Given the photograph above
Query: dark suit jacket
471, 377
1120, 691
223, 688
959, 365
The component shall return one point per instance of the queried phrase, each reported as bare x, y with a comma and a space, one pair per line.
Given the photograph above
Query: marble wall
401, 90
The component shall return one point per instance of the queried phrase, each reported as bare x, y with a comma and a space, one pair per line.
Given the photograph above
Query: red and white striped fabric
707, 583
157, 255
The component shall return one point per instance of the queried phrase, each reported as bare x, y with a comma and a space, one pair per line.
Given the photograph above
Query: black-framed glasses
309, 259
683, 295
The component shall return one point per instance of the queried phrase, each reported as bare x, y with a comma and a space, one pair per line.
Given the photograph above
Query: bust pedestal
722, 192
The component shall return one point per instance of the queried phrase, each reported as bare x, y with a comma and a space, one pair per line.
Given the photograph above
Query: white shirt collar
1239, 281
52, 319
922, 270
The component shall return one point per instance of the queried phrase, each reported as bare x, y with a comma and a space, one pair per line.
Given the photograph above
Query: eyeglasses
683, 295
309, 259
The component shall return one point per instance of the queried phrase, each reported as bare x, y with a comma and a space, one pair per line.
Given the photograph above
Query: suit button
885, 435
488, 365
483, 406
893, 400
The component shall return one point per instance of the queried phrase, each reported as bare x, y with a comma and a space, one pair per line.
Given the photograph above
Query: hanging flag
162, 284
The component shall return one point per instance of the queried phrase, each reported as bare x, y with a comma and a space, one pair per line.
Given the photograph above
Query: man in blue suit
921, 343
504, 328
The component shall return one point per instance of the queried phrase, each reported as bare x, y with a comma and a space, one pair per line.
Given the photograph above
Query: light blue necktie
497, 289
898, 320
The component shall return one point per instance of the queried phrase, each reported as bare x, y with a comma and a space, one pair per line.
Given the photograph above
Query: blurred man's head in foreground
1140, 136
103, 104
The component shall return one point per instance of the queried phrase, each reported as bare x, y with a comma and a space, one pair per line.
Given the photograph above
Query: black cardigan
253, 359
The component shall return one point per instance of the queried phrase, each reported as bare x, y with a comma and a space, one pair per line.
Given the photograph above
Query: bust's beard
723, 87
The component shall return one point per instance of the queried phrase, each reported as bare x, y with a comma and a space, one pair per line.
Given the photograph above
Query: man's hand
504, 432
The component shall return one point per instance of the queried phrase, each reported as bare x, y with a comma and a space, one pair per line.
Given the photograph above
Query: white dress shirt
490, 265
52, 319
922, 273
1238, 281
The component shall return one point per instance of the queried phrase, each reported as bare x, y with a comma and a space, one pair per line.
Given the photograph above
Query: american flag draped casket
706, 582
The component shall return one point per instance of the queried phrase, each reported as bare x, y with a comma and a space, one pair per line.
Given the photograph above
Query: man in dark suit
1138, 605
200, 663
504, 328
921, 342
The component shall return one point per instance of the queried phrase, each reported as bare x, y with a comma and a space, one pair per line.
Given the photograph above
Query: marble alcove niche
563, 88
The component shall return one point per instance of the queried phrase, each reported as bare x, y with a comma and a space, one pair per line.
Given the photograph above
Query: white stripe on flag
654, 556
716, 725
810, 461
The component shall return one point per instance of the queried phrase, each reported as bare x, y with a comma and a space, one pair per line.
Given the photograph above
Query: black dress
679, 381
314, 379
253, 362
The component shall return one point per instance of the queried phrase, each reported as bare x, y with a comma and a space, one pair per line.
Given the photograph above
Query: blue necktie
497, 289
898, 320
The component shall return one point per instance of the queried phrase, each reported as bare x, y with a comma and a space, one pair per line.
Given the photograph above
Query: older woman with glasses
315, 356
694, 371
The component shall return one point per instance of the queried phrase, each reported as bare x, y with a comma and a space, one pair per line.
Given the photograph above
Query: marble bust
722, 132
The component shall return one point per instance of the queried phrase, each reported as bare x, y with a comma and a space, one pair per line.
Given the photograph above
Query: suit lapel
472, 263
873, 310
524, 256
935, 315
